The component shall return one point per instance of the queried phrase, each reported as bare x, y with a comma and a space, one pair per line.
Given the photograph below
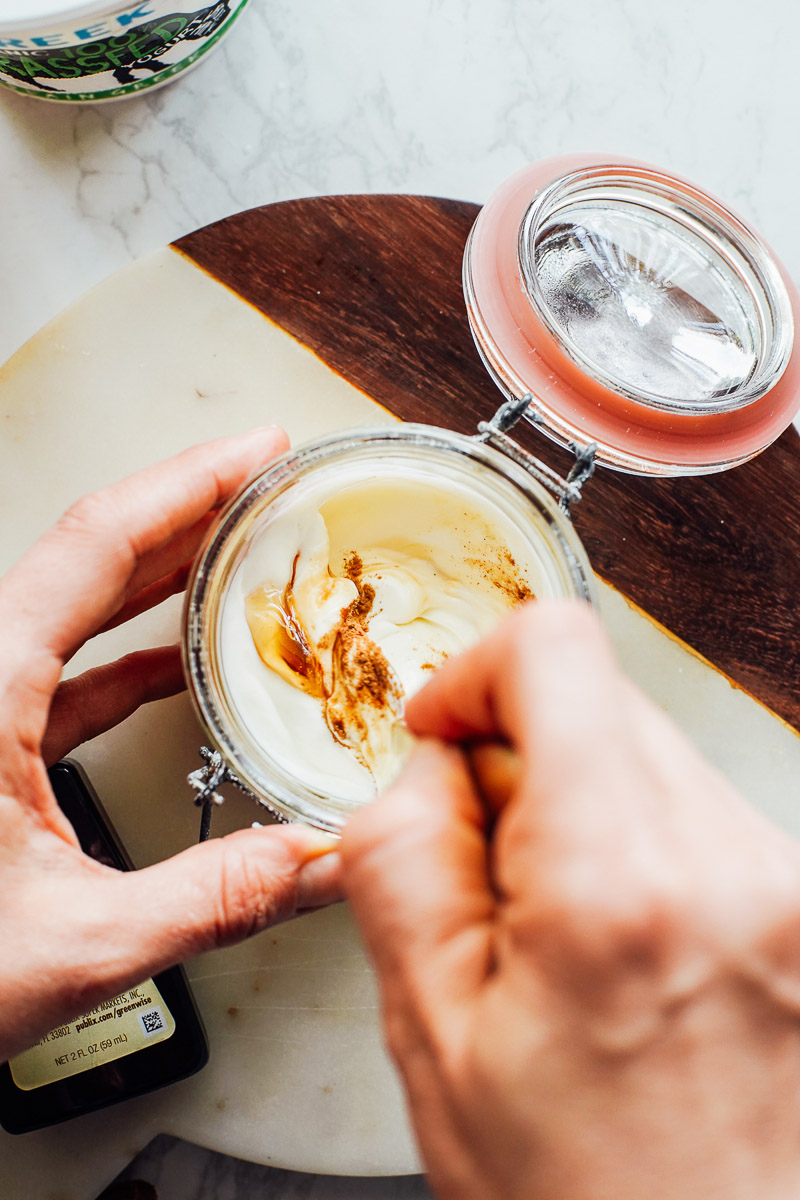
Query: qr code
152, 1020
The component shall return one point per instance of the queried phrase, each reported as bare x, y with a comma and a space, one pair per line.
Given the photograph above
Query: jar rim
753, 271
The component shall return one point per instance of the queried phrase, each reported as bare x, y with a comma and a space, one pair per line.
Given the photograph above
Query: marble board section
158, 357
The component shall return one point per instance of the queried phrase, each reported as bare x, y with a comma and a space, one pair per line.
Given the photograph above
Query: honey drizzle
281, 639
361, 679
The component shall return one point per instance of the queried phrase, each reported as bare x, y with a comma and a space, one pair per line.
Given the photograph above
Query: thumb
216, 894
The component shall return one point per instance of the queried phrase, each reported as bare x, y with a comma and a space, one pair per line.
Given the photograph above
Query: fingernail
310, 843
269, 429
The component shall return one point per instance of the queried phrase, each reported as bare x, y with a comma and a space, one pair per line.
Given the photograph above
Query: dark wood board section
372, 284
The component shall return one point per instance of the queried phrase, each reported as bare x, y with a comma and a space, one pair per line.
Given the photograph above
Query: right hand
588, 944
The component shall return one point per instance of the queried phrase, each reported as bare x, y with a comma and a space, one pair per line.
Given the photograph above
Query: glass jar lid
637, 311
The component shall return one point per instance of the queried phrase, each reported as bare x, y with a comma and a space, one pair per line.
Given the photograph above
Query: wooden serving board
322, 314
373, 285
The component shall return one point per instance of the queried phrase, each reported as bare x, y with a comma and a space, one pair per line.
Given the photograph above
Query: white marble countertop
437, 96
434, 96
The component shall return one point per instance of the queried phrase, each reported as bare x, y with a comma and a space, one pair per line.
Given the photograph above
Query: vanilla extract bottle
140, 1040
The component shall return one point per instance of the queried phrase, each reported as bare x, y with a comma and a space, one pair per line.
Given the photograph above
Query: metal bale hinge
495, 432
206, 781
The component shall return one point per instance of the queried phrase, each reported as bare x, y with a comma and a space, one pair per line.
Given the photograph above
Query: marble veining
442, 97
318, 98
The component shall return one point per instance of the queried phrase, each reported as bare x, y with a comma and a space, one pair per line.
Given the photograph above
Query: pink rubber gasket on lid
578, 406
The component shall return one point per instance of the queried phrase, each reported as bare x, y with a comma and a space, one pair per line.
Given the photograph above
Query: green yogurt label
115, 55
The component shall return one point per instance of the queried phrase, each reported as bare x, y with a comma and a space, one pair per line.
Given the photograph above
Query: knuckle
638, 940
86, 515
71, 714
132, 670
247, 902
94, 516
593, 925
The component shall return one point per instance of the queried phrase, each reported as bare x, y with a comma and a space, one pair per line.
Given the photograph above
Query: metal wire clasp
495, 432
207, 779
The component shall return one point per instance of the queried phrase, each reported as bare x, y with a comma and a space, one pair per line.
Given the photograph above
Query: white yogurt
427, 566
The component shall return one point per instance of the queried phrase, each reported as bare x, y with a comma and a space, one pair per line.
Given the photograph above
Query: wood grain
373, 285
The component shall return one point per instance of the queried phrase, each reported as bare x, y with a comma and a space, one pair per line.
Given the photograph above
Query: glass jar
521, 502
626, 314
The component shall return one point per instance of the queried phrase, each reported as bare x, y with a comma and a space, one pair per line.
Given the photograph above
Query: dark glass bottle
141, 1040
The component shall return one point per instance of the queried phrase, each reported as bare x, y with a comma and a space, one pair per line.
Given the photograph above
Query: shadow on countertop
171, 1169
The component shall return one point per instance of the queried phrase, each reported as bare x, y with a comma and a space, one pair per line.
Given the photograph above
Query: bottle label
118, 53
116, 1028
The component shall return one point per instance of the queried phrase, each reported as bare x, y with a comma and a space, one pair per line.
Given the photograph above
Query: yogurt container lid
30, 16
637, 311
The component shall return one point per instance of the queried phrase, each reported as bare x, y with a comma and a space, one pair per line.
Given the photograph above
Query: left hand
74, 932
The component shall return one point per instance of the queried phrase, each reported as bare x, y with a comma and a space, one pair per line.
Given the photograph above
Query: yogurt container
67, 50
